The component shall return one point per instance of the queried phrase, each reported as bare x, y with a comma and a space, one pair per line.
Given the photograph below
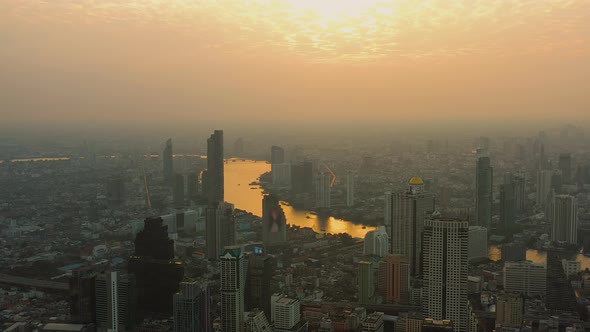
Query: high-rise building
192, 186
557, 182
507, 206
483, 195
445, 270
157, 273
191, 307
277, 155
564, 219
526, 278
560, 298
349, 189
543, 187
565, 166
168, 162
366, 282
398, 279
256, 322
116, 302
214, 176
82, 294
377, 242
404, 221
259, 275
233, 274
323, 190
219, 227
302, 177
509, 310
286, 312
519, 182
178, 190
373, 323
274, 223
478, 242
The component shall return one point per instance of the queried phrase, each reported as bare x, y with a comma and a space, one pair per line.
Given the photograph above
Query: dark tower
258, 291
158, 275
168, 163
214, 176
178, 190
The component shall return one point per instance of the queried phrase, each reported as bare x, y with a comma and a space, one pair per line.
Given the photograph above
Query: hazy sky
225, 62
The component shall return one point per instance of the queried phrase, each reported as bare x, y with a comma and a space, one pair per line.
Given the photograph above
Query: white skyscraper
286, 312
115, 308
349, 189
543, 186
233, 274
564, 219
445, 271
322, 190
404, 221
376, 242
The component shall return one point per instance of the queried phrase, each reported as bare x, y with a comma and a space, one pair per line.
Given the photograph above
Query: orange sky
168, 61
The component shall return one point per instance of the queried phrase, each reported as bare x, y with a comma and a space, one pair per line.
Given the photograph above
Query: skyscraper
565, 166
213, 214
323, 190
274, 223
82, 294
116, 302
214, 176
445, 271
543, 187
277, 155
519, 182
168, 162
366, 282
232, 289
178, 190
478, 242
561, 297
404, 221
157, 273
259, 275
349, 189
483, 194
564, 219
507, 206
377, 242
398, 279
191, 307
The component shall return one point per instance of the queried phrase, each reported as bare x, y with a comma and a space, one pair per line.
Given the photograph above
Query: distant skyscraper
509, 310
564, 219
192, 186
178, 190
277, 155
274, 223
115, 302
507, 206
366, 282
259, 275
557, 182
377, 242
213, 215
168, 162
82, 294
398, 279
404, 221
158, 274
445, 270
215, 163
233, 276
543, 187
302, 177
483, 195
323, 190
565, 166
191, 307
349, 189
519, 182
478, 242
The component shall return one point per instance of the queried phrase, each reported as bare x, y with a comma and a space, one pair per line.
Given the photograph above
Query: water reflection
238, 176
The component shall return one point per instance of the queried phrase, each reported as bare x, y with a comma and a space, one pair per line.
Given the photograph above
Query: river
238, 176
